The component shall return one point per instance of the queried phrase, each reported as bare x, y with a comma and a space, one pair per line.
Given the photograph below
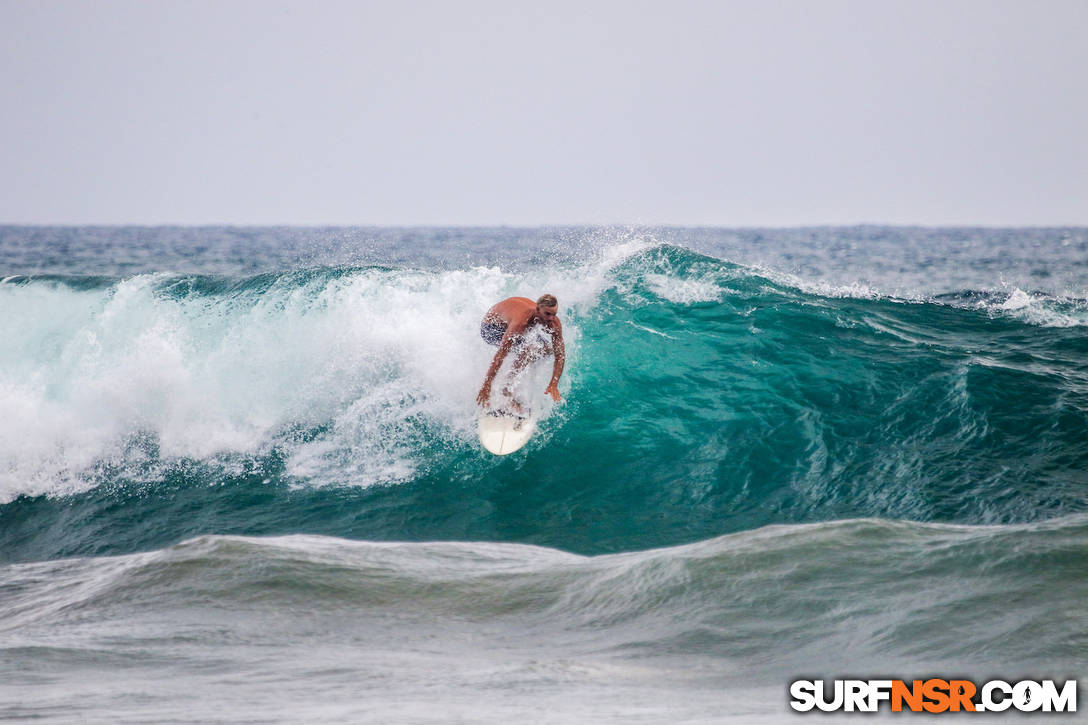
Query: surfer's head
547, 307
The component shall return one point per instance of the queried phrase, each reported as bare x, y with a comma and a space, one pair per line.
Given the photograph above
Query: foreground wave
716, 627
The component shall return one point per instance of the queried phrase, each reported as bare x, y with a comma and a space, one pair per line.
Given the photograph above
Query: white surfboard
502, 433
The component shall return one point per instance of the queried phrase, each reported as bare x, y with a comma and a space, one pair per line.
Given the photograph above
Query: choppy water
243, 461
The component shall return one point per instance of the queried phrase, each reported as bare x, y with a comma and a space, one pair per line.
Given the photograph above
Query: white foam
1034, 309
1043, 310
684, 291
1018, 300
650, 330
821, 288
386, 362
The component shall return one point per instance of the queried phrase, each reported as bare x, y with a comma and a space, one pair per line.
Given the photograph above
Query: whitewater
242, 462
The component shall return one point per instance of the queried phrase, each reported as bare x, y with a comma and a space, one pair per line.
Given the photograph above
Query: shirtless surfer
513, 323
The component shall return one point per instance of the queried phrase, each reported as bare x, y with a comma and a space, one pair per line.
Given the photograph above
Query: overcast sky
525, 113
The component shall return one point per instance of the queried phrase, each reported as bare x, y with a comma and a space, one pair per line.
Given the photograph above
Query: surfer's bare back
509, 324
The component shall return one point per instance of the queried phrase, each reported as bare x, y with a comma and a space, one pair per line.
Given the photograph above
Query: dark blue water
778, 451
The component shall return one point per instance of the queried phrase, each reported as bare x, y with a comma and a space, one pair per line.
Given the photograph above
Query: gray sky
467, 112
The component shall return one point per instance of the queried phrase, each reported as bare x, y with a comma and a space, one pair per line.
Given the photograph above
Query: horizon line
547, 225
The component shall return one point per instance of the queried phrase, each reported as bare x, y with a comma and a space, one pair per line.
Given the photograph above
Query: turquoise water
778, 453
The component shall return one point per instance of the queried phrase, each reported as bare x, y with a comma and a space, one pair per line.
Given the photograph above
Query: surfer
531, 327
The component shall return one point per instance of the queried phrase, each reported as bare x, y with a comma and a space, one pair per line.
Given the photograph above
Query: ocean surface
240, 480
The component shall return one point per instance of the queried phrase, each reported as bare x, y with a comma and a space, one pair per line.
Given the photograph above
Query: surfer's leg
527, 354
512, 403
522, 359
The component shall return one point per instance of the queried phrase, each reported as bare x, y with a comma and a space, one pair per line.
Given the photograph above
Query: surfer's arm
484, 396
560, 359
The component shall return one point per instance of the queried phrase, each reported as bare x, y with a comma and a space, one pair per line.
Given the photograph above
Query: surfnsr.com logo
933, 695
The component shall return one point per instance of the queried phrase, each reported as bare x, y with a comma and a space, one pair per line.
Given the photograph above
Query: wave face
244, 463
703, 397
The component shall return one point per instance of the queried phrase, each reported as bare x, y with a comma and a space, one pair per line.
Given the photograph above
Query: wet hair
547, 301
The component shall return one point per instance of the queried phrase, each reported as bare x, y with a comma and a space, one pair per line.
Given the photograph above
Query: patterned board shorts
492, 333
